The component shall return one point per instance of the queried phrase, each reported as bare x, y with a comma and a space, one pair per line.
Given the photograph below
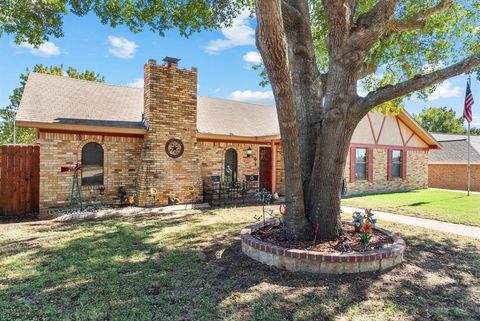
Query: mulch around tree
349, 241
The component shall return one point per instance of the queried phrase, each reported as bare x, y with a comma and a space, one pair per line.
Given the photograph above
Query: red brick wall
279, 171
453, 176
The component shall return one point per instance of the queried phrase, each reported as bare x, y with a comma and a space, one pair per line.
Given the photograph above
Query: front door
265, 173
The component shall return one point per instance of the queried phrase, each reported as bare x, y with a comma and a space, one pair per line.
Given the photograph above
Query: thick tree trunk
327, 176
271, 41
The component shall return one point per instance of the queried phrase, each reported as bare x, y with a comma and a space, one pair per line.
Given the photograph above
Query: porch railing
221, 193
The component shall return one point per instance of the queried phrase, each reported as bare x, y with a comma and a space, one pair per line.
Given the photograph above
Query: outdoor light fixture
249, 152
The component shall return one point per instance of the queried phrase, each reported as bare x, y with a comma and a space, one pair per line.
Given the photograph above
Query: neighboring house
447, 168
166, 137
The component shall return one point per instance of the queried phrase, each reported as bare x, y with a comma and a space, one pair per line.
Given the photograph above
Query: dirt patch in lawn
349, 241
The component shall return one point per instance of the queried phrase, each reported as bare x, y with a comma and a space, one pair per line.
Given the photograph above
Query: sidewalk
459, 229
453, 190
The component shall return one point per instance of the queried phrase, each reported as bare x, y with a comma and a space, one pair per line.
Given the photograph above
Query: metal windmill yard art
75, 192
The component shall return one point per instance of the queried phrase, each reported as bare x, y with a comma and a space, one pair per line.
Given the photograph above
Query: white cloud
432, 67
46, 49
238, 34
445, 90
256, 97
137, 83
121, 47
362, 92
252, 57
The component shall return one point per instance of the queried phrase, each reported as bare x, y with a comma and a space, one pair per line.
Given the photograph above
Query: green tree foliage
423, 36
34, 21
7, 114
440, 120
475, 131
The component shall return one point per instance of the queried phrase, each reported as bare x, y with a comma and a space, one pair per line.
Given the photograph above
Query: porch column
272, 165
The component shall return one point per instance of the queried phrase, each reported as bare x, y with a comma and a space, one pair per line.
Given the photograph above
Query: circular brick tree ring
321, 262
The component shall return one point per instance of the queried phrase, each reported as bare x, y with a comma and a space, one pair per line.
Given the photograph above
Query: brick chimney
170, 108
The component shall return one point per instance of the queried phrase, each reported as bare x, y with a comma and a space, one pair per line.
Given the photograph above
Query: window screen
361, 161
230, 165
396, 163
92, 164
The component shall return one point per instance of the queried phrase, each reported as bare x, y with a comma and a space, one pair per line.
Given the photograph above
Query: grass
448, 206
189, 266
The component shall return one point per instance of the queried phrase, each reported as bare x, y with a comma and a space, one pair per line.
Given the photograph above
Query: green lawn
454, 207
189, 266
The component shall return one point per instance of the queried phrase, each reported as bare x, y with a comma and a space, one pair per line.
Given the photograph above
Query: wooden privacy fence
19, 180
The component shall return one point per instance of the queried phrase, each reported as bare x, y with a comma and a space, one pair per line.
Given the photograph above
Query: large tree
440, 120
316, 54
7, 114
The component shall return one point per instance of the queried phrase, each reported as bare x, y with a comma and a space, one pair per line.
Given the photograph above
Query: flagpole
468, 159
468, 150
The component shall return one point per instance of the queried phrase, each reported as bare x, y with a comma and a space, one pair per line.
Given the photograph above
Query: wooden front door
19, 180
265, 173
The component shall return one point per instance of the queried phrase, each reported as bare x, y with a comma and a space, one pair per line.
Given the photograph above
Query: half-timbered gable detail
394, 149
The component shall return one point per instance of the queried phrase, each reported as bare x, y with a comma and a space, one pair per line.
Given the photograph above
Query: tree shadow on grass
439, 280
418, 204
142, 268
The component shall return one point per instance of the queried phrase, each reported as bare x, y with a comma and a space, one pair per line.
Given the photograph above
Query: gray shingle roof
66, 101
455, 149
63, 100
228, 117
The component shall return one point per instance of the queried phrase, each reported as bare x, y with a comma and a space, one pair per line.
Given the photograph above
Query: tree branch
290, 10
418, 82
339, 14
366, 70
418, 21
380, 14
370, 26
307, 82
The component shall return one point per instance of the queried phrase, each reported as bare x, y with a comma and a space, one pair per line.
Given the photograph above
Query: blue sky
224, 59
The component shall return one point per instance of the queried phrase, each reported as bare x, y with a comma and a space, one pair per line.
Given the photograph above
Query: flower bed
349, 241
324, 258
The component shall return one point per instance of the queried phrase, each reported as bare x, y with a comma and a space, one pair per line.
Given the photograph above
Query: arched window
230, 165
92, 164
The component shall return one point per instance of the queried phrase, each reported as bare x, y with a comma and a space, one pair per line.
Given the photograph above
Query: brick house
166, 137
447, 168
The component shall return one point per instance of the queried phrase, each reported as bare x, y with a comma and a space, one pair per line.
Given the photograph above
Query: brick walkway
459, 229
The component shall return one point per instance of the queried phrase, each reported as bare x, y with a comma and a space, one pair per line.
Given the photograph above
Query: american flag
467, 111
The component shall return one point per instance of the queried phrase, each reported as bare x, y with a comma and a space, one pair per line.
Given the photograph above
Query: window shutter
404, 164
370, 164
389, 165
353, 164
